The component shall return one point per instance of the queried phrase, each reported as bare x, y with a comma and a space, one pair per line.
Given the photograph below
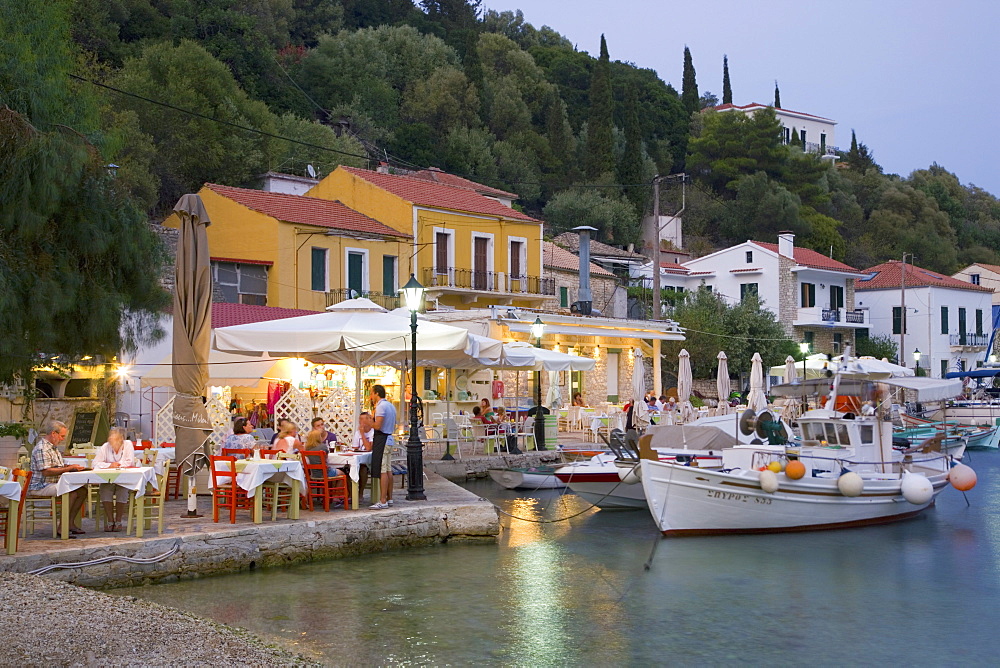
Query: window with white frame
444, 251
356, 271
241, 283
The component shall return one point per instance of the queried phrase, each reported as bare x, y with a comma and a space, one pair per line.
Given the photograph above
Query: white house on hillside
947, 320
815, 132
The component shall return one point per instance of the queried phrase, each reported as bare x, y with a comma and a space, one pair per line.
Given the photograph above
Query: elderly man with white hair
47, 465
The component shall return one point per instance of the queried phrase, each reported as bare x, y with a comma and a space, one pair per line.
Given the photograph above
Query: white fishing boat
533, 477
843, 473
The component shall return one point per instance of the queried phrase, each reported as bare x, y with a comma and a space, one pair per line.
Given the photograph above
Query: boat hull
515, 478
969, 413
685, 501
602, 486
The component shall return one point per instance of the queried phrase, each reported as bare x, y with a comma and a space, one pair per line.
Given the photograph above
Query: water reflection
575, 592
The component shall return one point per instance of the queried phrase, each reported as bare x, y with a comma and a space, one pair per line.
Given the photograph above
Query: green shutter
897, 320
319, 269
979, 321
355, 274
389, 275
564, 297
944, 319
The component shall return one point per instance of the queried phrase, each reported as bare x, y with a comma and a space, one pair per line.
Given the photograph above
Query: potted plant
12, 436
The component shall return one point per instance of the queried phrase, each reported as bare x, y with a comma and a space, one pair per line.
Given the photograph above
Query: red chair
238, 453
225, 492
319, 484
5, 519
270, 454
175, 477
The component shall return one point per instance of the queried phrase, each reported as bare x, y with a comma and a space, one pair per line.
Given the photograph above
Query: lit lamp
413, 296
537, 329
916, 357
804, 349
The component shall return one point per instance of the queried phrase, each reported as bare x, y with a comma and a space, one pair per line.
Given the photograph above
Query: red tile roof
438, 195
305, 210
224, 315
745, 271
990, 267
560, 258
889, 275
438, 176
810, 258
234, 260
672, 268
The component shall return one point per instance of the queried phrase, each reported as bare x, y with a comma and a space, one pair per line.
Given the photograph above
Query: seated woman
479, 416
117, 453
241, 438
578, 400
288, 438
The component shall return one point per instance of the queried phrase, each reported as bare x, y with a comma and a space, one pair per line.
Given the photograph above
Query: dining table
133, 479
11, 490
251, 474
355, 460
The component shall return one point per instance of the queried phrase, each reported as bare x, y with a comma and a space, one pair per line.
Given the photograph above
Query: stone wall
608, 295
788, 294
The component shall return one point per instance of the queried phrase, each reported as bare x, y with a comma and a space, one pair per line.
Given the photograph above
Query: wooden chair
150, 506
39, 509
238, 453
174, 479
319, 484
272, 454
8, 523
225, 492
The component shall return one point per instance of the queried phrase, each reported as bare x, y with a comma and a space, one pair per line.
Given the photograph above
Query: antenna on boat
835, 388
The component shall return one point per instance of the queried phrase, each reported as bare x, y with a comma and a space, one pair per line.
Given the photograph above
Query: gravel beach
52, 623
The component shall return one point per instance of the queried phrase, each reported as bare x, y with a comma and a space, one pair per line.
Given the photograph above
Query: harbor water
567, 585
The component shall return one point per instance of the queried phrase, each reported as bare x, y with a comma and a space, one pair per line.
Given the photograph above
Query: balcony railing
831, 315
385, 301
816, 315
822, 149
488, 281
969, 339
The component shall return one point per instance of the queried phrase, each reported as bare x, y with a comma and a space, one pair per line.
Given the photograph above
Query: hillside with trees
225, 90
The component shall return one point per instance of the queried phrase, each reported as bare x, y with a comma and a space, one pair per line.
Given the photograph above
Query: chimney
585, 301
786, 244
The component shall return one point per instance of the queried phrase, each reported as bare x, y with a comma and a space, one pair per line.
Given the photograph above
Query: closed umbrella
722, 384
684, 383
757, 400
191, 341
553, 398
792, 406
640, 410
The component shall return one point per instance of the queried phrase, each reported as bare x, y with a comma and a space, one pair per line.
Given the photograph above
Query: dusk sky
916, 80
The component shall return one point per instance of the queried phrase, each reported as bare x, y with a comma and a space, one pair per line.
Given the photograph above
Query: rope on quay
103, 560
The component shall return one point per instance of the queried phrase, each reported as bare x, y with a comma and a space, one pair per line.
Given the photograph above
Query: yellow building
466, 247
293, 251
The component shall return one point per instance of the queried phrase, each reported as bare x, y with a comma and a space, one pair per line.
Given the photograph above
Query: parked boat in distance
533, 477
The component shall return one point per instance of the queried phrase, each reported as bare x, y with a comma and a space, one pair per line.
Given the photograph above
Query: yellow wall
391, 210
243, 234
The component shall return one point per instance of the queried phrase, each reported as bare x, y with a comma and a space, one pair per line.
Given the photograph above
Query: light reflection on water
575, 592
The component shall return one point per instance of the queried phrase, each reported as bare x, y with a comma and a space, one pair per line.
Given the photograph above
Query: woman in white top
288, 438
117, 453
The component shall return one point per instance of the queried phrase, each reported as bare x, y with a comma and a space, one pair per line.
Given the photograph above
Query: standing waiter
385, 424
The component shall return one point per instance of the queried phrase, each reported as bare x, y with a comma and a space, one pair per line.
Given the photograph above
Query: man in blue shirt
385, 424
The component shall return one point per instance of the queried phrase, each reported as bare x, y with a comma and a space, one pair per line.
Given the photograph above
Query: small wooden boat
534, 477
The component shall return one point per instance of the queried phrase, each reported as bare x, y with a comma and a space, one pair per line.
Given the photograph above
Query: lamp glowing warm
537, 327
413, 294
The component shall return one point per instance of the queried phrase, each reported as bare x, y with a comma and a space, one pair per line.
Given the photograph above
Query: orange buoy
795, 469
962, 477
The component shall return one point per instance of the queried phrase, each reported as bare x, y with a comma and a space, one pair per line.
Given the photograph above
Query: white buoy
630, 476
916, 489
850, 484
768, 481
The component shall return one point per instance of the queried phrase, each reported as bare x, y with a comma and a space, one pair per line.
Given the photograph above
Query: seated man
47, 465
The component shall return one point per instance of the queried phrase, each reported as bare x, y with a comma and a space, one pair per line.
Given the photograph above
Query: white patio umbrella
684, 383
553, 397
223, 369
757, 400
640, 411
525, 356
722, 384
791, 404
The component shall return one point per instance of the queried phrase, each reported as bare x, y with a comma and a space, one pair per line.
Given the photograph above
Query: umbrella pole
357, 396
447, 411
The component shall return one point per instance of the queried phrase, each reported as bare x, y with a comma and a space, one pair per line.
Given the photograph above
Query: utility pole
657, 306
902, 310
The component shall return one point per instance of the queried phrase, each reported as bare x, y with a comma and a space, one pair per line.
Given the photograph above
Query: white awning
523, 326
928, 389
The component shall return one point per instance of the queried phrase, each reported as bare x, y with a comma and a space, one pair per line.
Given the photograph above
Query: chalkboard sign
89, 426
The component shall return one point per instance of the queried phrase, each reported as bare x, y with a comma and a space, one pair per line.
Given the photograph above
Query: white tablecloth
10, 489
162, 455
131, 479
252, 473
355, 459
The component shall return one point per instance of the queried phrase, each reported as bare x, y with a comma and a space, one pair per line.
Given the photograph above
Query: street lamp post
413, 294
537, 329
804, 349
916, 359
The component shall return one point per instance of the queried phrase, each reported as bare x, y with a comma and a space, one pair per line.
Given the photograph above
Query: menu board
89, 426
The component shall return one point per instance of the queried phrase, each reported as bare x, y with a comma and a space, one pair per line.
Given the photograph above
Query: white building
815, 132
947, 320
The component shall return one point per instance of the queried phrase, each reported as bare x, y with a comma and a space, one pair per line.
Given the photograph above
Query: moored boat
533, 477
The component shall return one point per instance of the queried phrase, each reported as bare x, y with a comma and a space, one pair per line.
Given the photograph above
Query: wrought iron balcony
978, 340
831, 315
822, 149
385, 301
488, 281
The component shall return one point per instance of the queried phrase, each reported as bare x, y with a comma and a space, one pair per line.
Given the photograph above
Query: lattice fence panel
163, 426
297, 406
337, 409
219, 416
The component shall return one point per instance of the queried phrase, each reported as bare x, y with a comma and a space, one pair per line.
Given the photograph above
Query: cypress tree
795, 138
689, 85
854, 143
727, 90
777, 95
630, 167
600, 149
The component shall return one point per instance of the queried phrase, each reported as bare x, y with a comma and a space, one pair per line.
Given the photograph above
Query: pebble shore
52, 623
